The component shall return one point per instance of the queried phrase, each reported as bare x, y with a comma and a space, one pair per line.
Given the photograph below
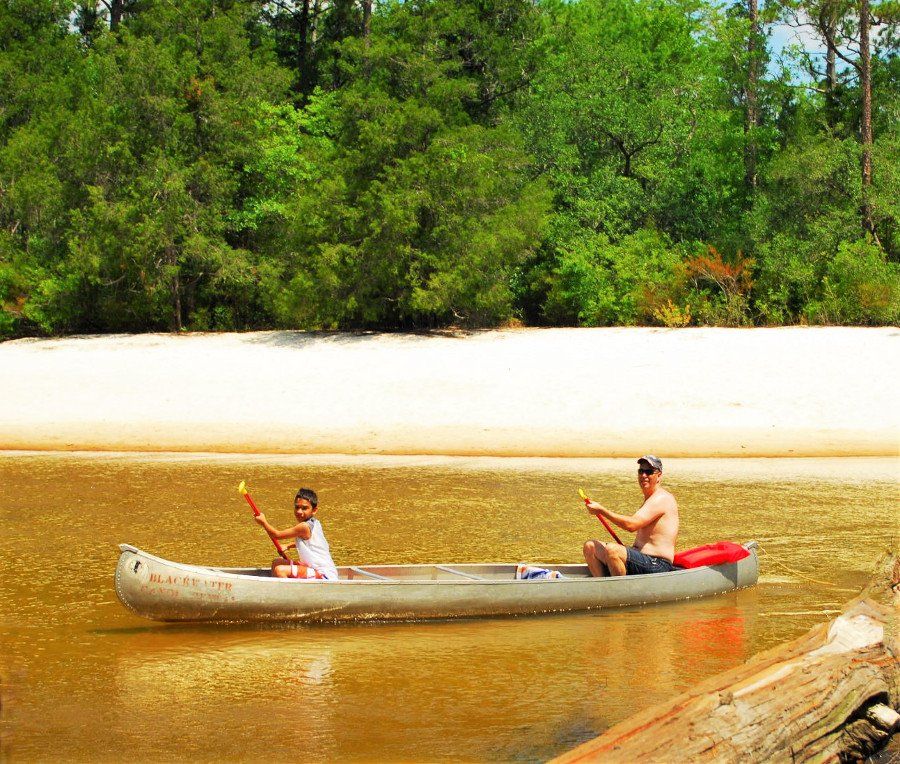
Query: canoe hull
168, 591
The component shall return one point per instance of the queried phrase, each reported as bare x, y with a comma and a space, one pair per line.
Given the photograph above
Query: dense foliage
333, 164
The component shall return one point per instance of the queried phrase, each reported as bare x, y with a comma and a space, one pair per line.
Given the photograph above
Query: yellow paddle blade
242, 488
582, 494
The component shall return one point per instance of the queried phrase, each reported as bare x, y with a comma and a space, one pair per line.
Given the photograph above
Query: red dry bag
711, 554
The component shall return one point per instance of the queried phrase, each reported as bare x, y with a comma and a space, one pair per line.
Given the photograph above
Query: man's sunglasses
646, 470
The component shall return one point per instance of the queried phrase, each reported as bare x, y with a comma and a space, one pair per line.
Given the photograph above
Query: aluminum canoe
171, 591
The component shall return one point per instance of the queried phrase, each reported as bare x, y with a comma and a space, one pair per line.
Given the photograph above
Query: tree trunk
367, 20
115, 14
827, 24
172, 260
177, 325
865, 128
751, 97
834, 692
830, 71
316, 12
367, 43
305, 78
831, 82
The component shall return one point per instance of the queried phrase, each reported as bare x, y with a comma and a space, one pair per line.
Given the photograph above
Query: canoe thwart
456, 572
369, 573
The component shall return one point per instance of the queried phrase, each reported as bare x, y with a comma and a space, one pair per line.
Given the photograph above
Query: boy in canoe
312, 547
656, 525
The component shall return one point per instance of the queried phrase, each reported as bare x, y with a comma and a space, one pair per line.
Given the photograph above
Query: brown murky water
84, 679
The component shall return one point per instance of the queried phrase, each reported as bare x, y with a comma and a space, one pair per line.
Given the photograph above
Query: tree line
339, 164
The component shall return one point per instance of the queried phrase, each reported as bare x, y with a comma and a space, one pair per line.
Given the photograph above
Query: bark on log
832, 694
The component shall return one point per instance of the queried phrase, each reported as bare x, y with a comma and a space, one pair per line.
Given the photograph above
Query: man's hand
260, 518
592, 507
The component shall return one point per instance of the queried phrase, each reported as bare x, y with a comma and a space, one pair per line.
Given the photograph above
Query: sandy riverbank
533, 392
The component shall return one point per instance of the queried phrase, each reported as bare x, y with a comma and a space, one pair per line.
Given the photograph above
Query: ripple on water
504, 689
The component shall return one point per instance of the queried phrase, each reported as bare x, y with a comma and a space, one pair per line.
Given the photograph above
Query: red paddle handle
275, 541
256, 512
606, 525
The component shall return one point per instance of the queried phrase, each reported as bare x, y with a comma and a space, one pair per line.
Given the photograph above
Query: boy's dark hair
309, 494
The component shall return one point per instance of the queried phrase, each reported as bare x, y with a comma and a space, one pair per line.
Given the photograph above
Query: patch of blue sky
787, 40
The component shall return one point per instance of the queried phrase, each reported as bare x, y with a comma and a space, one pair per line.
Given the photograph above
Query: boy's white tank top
315, 552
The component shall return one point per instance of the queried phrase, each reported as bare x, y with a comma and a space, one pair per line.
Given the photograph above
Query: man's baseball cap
653, 461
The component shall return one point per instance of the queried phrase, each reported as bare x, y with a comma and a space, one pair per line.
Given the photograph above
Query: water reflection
73, 660
559, 678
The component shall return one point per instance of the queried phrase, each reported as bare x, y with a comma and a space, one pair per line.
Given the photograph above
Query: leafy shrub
720, 289
601, 283
859, 286
673, 316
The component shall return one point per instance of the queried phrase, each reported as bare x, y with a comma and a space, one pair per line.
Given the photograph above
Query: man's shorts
639, 563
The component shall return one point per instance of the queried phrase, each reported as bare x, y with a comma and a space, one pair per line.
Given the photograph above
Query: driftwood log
832, 694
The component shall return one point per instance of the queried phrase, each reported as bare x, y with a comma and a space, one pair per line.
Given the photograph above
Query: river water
85, 679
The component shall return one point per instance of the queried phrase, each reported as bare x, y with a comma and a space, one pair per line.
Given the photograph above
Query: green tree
630, 122
145, 166
423, 215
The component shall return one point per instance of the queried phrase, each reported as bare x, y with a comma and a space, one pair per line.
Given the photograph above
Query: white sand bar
798, 391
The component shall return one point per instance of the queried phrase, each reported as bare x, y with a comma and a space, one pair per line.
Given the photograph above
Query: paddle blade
581, 493
242, 488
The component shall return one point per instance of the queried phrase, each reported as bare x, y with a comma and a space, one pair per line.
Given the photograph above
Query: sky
782, 36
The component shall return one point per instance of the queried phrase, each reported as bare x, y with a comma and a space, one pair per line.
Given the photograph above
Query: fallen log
832, 694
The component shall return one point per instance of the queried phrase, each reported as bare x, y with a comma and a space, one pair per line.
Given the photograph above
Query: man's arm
650, 512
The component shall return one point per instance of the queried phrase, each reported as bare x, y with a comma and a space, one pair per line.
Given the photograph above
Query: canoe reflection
521, 688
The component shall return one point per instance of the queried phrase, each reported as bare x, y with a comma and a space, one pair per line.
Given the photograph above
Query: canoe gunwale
261, 574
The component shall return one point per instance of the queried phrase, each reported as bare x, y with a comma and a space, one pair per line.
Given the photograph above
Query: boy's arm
301, 530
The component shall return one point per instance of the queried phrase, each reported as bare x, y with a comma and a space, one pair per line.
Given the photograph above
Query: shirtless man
656, 523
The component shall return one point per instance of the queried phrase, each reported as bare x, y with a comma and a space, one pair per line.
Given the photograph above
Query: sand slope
543, 392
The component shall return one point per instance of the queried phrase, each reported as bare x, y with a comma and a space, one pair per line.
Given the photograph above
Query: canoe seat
460, 573
368, 573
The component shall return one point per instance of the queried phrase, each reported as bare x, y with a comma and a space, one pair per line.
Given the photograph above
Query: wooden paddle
601, 518
243, 489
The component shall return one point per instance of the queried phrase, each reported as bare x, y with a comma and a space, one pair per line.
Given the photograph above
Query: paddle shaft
606, 525
257, 513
